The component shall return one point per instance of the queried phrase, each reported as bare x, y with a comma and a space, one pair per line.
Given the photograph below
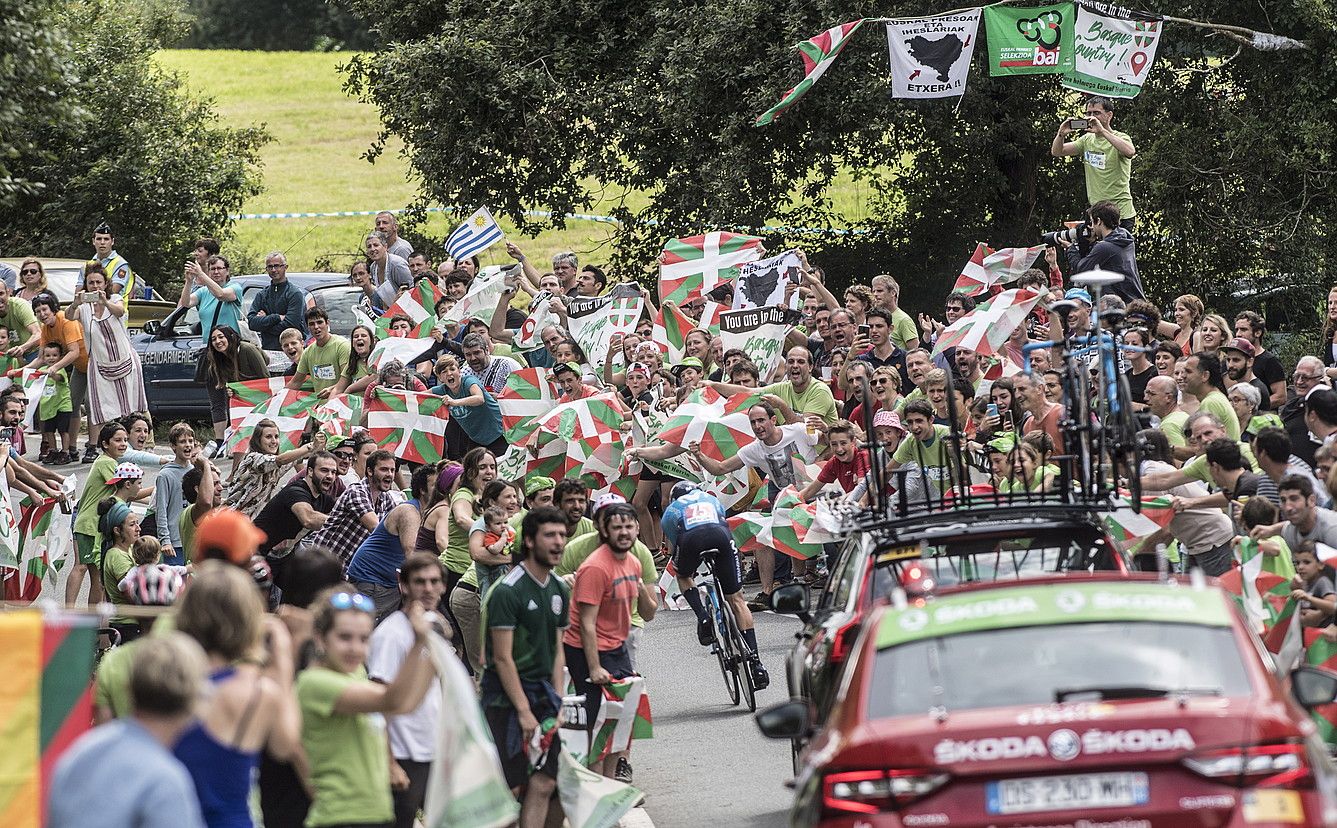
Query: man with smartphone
1107, 157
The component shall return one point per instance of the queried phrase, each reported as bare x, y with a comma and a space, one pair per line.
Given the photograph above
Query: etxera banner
930, 56
1112, 57
1035, 40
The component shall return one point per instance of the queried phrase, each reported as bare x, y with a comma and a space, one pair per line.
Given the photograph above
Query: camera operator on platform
1108, 246
1107, 158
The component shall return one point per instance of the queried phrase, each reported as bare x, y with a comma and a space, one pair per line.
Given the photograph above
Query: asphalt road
707, 761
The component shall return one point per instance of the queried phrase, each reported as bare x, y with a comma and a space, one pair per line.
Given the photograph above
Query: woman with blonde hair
1188, 312
252, 707
886, 387
1213, 332
32, 279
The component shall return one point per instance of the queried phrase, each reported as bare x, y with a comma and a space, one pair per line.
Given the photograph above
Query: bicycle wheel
722, 654
742, 664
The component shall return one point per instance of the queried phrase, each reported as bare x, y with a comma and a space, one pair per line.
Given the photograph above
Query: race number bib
1095, 159
324, 372
700, 514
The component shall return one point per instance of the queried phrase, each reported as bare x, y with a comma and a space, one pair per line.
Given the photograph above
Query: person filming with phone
1107, 157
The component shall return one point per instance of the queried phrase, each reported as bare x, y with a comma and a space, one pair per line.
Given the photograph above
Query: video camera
1079, 233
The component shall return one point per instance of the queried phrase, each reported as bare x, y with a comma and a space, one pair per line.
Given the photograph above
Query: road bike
730, 649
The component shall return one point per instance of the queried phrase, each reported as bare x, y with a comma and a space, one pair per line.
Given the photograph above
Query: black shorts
58, 424
516, 768
693, 543
616, 661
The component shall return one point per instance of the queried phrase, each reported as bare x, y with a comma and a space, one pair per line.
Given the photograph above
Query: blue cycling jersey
692, 510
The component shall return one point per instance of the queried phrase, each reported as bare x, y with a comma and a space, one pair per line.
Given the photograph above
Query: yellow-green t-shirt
325, 364
1172, 425
1197, 467
1216, 403
903, 328
348, 753
1108, 173
456, 557
815, 399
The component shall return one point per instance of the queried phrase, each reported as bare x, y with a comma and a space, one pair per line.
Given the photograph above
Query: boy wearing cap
567, 375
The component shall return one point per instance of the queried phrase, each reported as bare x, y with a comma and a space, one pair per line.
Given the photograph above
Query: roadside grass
315, 163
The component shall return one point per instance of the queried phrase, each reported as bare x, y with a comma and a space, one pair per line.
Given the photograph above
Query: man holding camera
1107, 157
1108, 246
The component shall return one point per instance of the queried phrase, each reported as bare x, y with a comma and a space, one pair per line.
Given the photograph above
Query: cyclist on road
694, 524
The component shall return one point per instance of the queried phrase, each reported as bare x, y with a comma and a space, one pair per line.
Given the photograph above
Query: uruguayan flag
476, 234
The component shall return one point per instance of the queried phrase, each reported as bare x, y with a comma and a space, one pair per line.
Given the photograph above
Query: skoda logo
1070, 600
914, 620
1064, 745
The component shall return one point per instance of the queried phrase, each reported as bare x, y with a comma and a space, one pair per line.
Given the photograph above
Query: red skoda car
1091, 703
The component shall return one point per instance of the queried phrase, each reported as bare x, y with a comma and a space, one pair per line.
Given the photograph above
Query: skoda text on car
1065, 702
938, 552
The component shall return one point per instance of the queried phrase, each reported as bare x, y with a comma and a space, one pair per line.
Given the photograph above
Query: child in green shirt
55, 408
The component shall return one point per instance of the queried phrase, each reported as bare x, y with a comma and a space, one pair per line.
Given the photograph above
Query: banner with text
1034, 40
1112, 56
758, 332
930, 56
594, 320
762, 282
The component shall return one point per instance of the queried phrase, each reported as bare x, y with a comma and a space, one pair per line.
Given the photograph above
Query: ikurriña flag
817, 54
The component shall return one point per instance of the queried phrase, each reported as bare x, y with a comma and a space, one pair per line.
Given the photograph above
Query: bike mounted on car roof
1099, 463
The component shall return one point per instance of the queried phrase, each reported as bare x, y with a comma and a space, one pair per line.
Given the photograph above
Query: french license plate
1058, 793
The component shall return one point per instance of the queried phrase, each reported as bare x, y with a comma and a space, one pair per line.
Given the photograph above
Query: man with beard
1238, 355
300, 507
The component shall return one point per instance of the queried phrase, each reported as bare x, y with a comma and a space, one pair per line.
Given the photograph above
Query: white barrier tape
831, 231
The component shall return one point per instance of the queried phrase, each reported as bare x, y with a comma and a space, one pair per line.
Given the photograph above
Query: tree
138, 151
274, 24
520, 106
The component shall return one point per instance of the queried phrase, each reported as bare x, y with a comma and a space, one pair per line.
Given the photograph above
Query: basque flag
476, 234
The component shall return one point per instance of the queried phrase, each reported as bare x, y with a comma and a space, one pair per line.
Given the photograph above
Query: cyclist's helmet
153, 585
681, 488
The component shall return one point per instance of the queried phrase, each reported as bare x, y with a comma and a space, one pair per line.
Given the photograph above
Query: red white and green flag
418, 304
988, 267
410, 424
670, 331
624, 715
704, 418
1260, 592
406, 350
985, 329
540, 316
785, 528
751, 531
289, 410
340, 414
590, 431
710, 317
528, 395
1320, 652
817, 54
41, 553
1128, 527
1286, 637
693, 266
243, 397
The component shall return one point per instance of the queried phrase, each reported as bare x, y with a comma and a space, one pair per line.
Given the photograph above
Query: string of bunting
1096, 47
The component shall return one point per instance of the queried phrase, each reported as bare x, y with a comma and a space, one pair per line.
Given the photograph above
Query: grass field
314, 163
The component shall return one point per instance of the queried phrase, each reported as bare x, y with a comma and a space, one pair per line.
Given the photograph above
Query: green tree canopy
522, 106
115, 137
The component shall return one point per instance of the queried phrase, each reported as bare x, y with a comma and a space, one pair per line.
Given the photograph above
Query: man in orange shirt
595, 642
70, 334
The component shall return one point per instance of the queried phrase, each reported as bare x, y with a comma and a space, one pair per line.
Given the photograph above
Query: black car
923, 553
168, 349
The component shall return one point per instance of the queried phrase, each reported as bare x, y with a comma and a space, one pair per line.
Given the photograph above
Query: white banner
762, 283
594, 320
930, 56
481, 300
760, 333
1112, 56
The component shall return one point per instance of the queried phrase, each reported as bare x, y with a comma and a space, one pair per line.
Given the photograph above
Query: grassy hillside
314, 163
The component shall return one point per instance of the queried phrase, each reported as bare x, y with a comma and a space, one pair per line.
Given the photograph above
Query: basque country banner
1034, 40
759, 332
930, 56
1112, 57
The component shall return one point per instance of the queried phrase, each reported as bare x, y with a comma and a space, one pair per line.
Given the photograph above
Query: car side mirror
790, 599
1313, 687
152, 327
786, 720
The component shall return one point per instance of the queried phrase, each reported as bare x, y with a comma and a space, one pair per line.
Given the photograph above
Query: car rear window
1047, 664
971, 559
338, 301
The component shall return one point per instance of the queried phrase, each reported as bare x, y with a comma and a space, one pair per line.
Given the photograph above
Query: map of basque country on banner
930, 56
1112, 56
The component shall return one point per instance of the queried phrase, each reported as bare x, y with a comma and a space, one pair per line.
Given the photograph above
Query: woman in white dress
115, 380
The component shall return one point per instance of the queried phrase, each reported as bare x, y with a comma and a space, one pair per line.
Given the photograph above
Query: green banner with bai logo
1035, 40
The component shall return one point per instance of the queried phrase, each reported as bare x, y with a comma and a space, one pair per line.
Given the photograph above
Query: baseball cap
1004, 443
1240, 344
688, 362
538, 483
126, 471
227, 534
1079, 294
607, 499
564, 367
888, 419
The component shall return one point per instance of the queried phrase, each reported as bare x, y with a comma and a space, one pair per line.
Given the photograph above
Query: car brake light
1255, 766
843, 641
871, 791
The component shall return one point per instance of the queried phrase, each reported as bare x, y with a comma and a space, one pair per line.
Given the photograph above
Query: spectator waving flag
411, 424
478, 232
817, 54
418, 305
988, 267
244, 396
692, 267
987, 327
671, 329
288, 410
